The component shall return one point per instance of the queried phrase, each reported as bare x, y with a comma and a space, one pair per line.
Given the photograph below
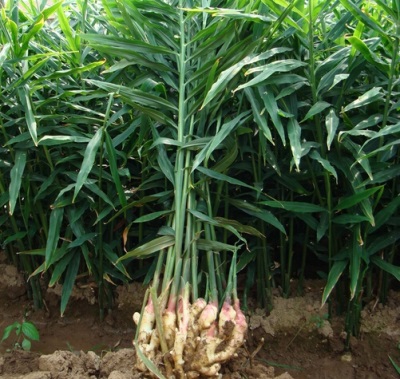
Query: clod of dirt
12, 283
66, 365
293, 313
118, 363
37, 375
19, 362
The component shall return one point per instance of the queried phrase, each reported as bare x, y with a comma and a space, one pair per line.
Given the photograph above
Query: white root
199, 338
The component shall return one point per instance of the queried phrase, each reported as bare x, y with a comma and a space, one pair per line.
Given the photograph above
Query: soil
294, 341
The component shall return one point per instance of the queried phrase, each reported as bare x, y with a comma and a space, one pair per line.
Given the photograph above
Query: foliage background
294, 114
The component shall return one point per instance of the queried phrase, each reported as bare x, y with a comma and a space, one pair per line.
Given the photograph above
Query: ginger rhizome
200, 338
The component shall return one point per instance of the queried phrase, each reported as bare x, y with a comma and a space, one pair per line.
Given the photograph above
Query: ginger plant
191, 321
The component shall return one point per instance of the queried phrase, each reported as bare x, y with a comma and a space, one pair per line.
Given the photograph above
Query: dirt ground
294, 341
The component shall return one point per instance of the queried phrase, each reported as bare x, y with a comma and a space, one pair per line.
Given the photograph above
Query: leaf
271, 107
368, 97
30, 331
209, 245
317, 108
348, 219
26, 344
258, 116
9, 329
363, 17
294, 133
151, 216
59, 140
268, 70
324, 163
14, 237
382, 217
3, 53
225, 77
88, 161
218, 176
69, 281
261, 214
148, 363
60, 267
352, 200
16, 179
72, 71
386, 266
334, 274
355, 261
29, 116
395, 365
56, 218
149, 248
369, 56
240, 227
331, 124
294, 206
225, 130
322, 226
112, 160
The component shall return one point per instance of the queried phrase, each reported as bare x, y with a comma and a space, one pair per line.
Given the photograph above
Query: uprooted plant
183, 65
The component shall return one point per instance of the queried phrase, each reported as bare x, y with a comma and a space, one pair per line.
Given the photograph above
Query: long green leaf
317, 108
225, 178
227, 75
25, 99
149, 248
331, 124
268, 70
294, 134
352, 200
355, 261
112, 160
16, 179
88, 161
56, 218
294, 206
386, 266
69, 281
333, 277
368, 97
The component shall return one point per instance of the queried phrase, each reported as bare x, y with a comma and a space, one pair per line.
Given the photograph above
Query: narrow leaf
56, 218
350, 201
386, 266
317, 108
151, 216
333, 277
112, 160
16, 178
26, 102
368, 97
149, 248
88, 161
294, 206
324, 163
294, 134
331, 124
216, 175
69, 281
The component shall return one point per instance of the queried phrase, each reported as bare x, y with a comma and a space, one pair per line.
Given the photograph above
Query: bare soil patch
294, 341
